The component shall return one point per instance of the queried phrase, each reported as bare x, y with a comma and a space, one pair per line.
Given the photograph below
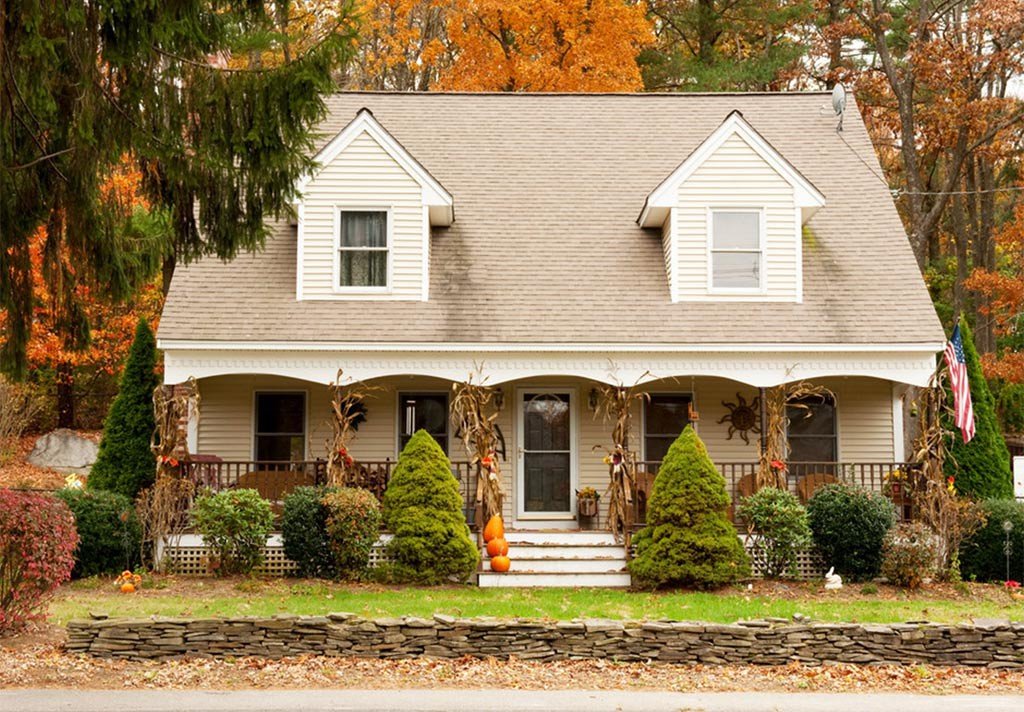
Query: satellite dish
839, 103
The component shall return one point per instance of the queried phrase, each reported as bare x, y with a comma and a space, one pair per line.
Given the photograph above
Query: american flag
961, 387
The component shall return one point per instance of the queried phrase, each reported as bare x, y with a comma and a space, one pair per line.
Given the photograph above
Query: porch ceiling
758, 366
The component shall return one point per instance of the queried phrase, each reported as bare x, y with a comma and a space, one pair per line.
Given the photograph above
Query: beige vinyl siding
668, 246
735, 176
363, 176
225, 428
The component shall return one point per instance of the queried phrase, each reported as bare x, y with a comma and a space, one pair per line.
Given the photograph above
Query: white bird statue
833, 581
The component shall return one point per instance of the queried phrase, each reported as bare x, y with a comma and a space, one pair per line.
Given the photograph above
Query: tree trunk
65, 395
958, 225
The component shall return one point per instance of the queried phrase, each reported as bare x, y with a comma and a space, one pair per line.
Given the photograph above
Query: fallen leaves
48, 666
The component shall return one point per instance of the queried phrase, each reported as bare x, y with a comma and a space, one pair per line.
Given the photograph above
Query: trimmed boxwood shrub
37, 544
688, 541
234, 525
353, 527
423, 511
982, 466
982, 557
777, 523
125, 463
304, 531
849, 525
108, 531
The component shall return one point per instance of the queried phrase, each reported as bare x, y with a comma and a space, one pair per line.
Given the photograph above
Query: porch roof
758, 366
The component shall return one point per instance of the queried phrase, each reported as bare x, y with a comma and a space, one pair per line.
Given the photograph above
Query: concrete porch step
562, 538
542, 579
528, 552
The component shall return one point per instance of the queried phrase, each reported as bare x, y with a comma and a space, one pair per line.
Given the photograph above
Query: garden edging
761, 642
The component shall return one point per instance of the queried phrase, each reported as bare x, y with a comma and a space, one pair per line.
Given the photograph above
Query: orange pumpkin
495, 529
127, 588
500, 564
497, 547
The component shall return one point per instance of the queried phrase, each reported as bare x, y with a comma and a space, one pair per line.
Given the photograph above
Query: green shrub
848, 525
982, 557
234, 524
1010, 407
304, 531
108, 531
688, 540
982, 466
423, 511
353, 527
777, 524
125, 464
869, 589
909, 554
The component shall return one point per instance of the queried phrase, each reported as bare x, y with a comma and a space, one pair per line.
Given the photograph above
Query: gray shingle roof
545, 248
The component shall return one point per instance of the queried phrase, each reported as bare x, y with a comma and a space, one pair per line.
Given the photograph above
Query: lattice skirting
187, 554
809, 564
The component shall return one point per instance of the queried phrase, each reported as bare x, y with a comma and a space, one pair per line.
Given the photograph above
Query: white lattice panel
809, 565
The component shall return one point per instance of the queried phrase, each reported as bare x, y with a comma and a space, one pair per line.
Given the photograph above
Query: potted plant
586, 501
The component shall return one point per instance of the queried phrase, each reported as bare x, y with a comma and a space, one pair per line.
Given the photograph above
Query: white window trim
305, 415
389, 246
762, 230
519, 486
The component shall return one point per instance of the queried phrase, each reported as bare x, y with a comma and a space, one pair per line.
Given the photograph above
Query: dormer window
363, 250
737, 251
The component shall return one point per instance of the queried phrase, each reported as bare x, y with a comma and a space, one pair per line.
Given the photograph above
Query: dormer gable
731, 217
364, 218
665, 196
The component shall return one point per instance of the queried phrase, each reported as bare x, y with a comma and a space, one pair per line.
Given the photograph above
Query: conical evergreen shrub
981, 468
423, 511
125, 464
689, 540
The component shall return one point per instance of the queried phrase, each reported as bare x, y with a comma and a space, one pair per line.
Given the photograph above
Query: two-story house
706, 245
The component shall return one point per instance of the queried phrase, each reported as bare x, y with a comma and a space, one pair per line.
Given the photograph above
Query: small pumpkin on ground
500, 564
497, 547
495, 529
127, 588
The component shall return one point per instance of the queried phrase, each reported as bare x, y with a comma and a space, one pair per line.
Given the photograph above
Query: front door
546, 453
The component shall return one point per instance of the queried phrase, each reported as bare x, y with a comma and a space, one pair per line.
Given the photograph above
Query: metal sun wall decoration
742, 418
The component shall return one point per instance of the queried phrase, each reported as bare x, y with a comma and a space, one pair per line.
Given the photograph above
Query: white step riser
554, 580
570, 538
526, 551
587, 566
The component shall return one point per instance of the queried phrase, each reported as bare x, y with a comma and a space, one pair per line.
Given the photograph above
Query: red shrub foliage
37, 545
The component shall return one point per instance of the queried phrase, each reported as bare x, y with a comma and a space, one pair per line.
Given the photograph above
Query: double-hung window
363, 250
665, 416
280, 433
424, 411
812, 433
736, 250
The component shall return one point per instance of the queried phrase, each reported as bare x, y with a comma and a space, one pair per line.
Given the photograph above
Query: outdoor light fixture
592, 400
1007, 545
499, 398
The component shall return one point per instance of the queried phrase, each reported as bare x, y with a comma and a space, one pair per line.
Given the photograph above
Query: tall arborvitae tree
125, 462
212, 100
981, 467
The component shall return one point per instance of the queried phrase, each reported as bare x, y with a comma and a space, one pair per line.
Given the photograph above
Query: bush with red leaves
37, 546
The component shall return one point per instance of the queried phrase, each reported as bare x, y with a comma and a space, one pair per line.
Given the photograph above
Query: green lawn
240, 597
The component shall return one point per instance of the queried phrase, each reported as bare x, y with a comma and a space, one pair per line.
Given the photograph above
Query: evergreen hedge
423, 511
982, 556
125, 464
689, 540
109, 534
849, 525
304, 531
982, 466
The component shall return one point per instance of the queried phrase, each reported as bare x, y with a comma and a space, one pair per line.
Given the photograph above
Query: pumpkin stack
497, 547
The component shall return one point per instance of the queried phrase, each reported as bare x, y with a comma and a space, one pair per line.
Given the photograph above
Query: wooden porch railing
274, 479
803, 479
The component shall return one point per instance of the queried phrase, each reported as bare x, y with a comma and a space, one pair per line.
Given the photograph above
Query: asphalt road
483, 701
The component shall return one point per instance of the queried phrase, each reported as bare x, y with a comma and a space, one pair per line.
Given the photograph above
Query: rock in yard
65, 451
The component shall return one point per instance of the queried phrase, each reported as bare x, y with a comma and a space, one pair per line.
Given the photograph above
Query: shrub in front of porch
125, 463
109, 534
983, 553
423, 511
304, 532
353, 527
777, 525
234, 525
689, 540
849, 525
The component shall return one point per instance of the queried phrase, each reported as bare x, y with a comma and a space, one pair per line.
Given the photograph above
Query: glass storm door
546, 454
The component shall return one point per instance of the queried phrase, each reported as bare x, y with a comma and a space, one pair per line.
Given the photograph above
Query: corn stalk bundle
475, 411
933, 496
171, 407
347, 412
777, 401
615, 406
